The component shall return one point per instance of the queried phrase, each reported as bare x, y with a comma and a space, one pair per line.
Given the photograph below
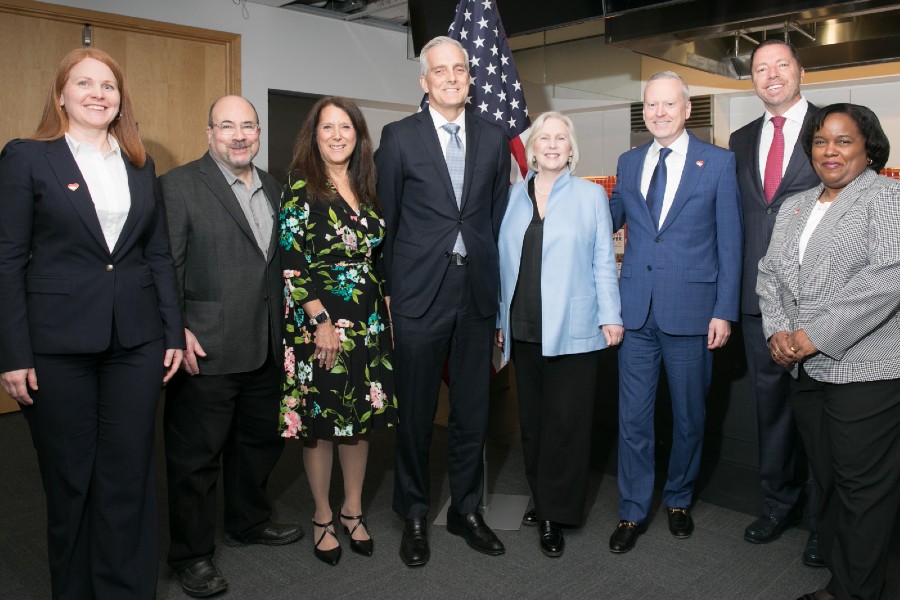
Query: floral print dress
330, 253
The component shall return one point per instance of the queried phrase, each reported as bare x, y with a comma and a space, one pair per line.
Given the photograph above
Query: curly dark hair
307, 161
878, 148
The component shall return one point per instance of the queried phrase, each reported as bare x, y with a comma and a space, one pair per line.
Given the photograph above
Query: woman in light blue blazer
559, 306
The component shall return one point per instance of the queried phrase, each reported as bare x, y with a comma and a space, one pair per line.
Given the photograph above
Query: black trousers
852, 434
452, 330
92, 424
556, 407
232, 419
776, 430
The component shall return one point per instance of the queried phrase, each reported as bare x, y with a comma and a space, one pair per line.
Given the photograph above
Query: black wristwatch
319, 318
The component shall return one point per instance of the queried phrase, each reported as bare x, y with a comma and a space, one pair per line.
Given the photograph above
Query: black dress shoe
203, 579
362, 547
476, 533
552, 541
811, 555
768, 529
530, 518
625, 536
275, 534
414, 550
681, 525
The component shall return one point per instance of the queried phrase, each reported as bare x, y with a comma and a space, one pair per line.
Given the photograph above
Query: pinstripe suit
846, 398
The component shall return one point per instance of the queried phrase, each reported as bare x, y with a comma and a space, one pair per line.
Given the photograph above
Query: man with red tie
771, 167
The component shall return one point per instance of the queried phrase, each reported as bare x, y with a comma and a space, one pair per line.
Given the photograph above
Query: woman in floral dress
338, 382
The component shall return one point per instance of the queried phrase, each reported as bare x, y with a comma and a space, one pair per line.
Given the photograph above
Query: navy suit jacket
759, 217
691, 267
421, 215
61, 289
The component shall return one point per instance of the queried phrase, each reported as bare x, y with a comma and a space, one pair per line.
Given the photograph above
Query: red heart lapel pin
72, 186
700, 163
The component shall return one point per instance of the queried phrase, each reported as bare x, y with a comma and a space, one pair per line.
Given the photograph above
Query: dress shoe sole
205, 593
233, 542
553, 553
815, 564
415, 563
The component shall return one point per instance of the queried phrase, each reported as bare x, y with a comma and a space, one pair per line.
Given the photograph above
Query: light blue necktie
657, 190
456, 165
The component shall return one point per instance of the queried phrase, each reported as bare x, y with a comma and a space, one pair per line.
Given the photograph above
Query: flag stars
494, 50
492, 69
502, 96
479, 42
504, 60
467, 15
512, 122
463, 34
483, 106
475, 61
514, 103
487, 88
486, 4
482, 23
517, 85
498, 115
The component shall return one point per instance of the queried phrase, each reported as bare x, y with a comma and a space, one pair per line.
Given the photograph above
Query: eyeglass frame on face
229, 129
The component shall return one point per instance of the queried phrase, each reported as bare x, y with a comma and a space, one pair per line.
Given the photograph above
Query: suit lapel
432, 145
213, 178
473, 132
820, 240
273, 194
638, 171
791, 250
73, 186
138, 191
752, 160
693, 164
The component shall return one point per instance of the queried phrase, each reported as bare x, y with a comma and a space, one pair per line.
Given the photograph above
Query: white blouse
107, 181
815, 217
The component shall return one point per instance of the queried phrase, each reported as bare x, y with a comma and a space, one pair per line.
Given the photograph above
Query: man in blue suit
680, 288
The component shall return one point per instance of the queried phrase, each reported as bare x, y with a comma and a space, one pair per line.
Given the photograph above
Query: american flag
496, 90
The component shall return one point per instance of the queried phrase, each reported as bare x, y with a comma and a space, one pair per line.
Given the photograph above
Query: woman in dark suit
90, 326
559, 306
831, 312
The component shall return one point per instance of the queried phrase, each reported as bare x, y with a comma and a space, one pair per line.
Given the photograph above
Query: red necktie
774, 161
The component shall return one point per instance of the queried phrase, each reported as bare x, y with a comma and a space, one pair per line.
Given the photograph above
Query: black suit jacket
422, 217
61, 288
231, 293
759, 218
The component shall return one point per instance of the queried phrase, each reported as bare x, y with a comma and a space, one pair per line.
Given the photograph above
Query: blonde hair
537, 127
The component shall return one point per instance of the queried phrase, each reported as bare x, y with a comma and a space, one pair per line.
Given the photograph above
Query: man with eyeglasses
222, 223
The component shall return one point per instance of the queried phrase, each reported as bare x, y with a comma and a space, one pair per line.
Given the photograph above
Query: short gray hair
441, 39
672, 75
537, 127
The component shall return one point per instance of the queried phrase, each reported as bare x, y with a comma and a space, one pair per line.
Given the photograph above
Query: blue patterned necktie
456, 166
657, 190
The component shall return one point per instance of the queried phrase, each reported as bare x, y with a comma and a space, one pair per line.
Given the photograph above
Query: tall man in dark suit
443, 179
680, 285
221, 211
772, 167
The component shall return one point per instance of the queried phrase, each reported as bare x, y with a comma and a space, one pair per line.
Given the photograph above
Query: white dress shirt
107, 182
815, 217
793, 125
443, 135
674, 169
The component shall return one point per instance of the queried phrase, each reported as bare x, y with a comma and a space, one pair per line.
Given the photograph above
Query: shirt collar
679, 146
77, 147
439, 120
796, 113
231, 178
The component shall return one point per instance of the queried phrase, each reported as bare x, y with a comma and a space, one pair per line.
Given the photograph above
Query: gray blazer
846, 294
230, 293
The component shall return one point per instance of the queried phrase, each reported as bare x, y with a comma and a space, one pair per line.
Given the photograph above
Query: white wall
287, 50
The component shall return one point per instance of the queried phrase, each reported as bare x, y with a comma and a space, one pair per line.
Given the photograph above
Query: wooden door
173, 73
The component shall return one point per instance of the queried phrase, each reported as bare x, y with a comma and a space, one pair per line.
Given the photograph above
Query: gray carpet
715, 563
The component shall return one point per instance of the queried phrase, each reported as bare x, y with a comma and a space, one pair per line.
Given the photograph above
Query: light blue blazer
579, 287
